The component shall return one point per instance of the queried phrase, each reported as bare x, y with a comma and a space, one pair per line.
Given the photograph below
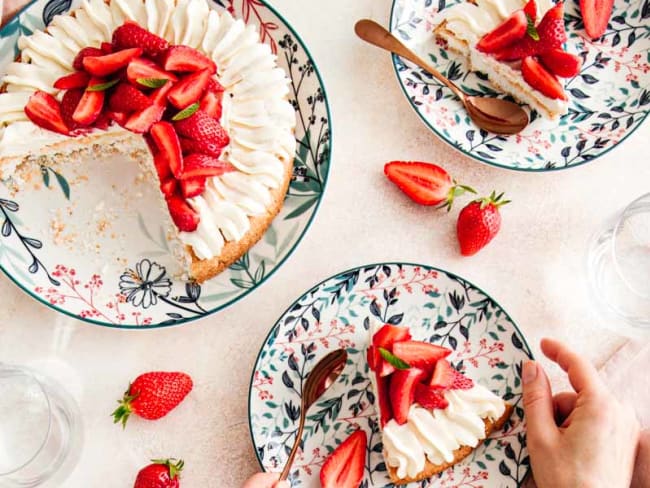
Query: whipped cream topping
256, 113
436, 434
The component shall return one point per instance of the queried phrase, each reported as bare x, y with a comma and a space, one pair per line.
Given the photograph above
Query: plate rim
477, 158
355, 268
234, 300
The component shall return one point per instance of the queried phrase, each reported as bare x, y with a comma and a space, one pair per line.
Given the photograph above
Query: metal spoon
324, 374
492, 114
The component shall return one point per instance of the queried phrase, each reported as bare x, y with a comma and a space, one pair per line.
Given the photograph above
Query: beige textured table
534, 268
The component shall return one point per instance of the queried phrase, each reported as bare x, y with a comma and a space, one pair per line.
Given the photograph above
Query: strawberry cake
517, 44
431, 416
186, 91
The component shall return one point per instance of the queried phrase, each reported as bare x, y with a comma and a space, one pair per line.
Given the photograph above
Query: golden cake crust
461, 453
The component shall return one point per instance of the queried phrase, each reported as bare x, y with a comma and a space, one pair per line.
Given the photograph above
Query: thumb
538, 405
282, 484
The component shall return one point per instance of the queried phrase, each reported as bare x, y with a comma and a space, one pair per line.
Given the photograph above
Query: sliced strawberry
551, 36
372, 353
443, 375
78, 63
103, 121
420, 354
159, 95
184, 58
377, 363
595, 15
119, 117
345, 466
161, 163
166, 140
142, 121
424, 183
189, 89
69, 104
90, 105
107, 47
192, 187
130, 35
510, 30
200, 165
110, 63
202, 127
402, 391
389, 335
78, 79
211, 104
541, 80
215, 87
127, 98
561, 63
142, 69
45, 111
530, 9
168, 187
383, 394
184, 216
200, 146
461, 382
430, 397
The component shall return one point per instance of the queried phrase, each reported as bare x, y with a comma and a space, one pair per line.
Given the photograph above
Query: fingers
282, 484
538, 405
265, 480
564, 403
582, 374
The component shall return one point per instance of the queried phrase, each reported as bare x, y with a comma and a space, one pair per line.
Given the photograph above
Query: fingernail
529, 372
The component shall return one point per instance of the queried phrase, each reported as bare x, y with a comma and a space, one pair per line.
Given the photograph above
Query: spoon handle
287, 467
373, 33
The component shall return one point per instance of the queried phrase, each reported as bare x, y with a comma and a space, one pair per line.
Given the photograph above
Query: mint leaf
152, 82
186, 112
102, 86
393, 360
531, 30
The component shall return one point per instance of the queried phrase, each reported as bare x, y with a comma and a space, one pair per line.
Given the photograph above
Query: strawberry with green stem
161, 473
478, 223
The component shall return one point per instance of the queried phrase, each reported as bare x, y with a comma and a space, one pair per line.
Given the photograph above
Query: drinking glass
618, 266
40, 429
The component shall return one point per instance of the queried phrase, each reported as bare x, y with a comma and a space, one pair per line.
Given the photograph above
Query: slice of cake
431, 415
517, 44
188, 89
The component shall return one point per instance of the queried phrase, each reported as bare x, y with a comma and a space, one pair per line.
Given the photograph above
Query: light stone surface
534, 268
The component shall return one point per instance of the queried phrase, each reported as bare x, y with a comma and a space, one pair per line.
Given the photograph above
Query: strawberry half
184, 216
420, 354
45, 111
110, 63
200, 165
510, 30
595, 15
192, 187
200, 146
161, 163
168, 187
383, 394
143, 69
443, 375
78, 63
345, 466
461, 382
78, 79
430, 397
211, 104
202, 127
561, 63
130, 35
91, 104
185, 58
127, 98
189, 89
166, 140
141, 122
530, 9
479, 222
69, 102
541, 80
402, 391
389, 335
424, 183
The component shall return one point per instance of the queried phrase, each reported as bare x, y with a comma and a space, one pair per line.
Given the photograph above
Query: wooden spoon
324, 374
492, 114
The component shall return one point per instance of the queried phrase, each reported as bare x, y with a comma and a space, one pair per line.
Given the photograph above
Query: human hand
265, 480
596, 441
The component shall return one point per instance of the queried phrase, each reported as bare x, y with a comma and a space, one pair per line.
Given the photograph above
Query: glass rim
33, 376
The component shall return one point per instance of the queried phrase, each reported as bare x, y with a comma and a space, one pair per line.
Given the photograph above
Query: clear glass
618, 265
40, 430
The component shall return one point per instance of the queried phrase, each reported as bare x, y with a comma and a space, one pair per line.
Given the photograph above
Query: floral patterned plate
438, 307
123, 276
609, 99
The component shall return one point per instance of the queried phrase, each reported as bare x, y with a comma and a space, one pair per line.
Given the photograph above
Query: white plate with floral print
59, 239
438, 307
609, 98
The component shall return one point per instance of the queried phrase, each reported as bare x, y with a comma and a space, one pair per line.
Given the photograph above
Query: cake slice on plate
517, 44
431, 415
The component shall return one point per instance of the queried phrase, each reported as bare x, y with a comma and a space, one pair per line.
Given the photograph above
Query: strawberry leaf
102, 86
152, 82
393, 360
186, 112
531, 30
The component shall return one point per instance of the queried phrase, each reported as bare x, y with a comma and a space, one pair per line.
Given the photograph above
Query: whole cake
431, 415
185, 90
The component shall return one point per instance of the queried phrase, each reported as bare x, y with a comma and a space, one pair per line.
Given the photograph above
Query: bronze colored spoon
324, 374
492, 114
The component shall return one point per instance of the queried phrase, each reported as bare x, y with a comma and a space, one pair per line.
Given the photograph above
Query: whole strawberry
153, 395
478, 223
162, 473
